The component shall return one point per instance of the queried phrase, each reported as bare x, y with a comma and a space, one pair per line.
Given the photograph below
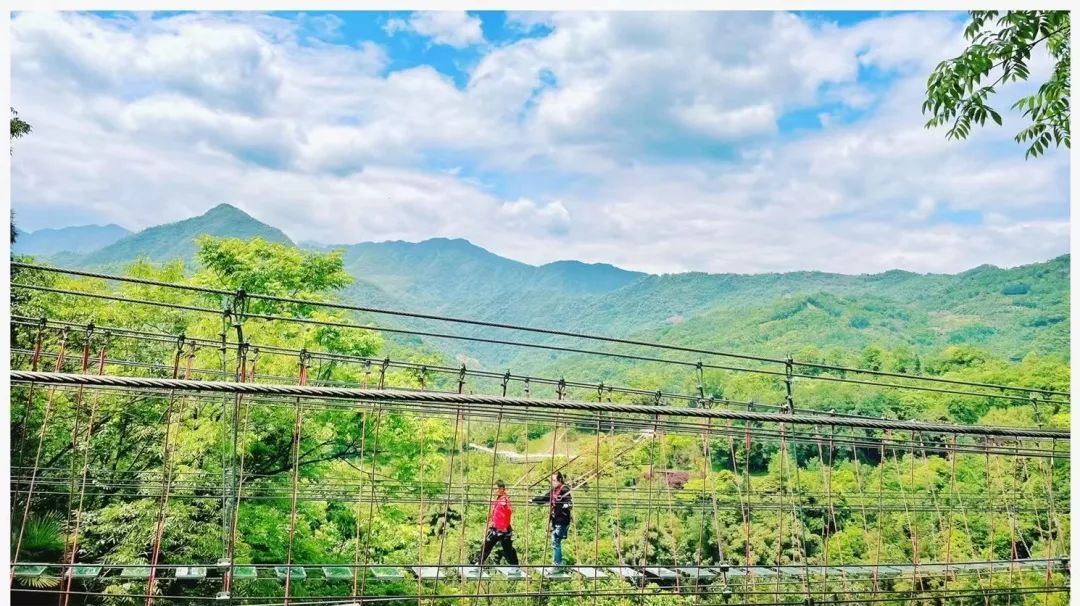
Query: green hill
177, 240
79, 239
1008, 312
455, 274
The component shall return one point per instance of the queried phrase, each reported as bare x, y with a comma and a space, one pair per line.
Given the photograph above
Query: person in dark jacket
561, 504
499, 530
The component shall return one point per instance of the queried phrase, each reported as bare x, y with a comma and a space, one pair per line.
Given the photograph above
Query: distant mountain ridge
77, 239
1008, 311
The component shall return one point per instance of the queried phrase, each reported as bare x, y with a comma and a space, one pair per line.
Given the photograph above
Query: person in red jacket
499, 530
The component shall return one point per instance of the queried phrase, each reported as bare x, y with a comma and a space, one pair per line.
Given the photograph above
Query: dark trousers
505, 541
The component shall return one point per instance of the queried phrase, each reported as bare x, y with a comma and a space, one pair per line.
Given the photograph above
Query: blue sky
657, 141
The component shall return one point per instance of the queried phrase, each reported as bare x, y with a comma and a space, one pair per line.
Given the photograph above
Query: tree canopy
393, 486
1002, 42
19, 128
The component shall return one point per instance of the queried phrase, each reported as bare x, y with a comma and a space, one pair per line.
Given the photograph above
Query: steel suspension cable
490, 500
932, 489
798, 524
952, 518
35, 358
672, 527
420, 519
464, 503
706, 462
37, 459
1012, 527
305, 320
549, 539
780, 517
1051, 517
649, 511
166, 480
744, 506
297, 431
83, 474
487, 324
445, 530
882, 464
234, 514
356, 511
598, 479
75, 426
562, 405
371, 502
990, 518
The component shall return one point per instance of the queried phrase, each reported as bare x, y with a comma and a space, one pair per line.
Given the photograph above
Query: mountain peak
225, 210
177, 240
451, 243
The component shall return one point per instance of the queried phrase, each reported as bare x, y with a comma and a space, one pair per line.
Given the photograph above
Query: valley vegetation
347, 452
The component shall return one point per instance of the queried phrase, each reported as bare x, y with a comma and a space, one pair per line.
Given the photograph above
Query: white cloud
525, 214
924, 207
727, 124
526, 21
647, 140
452, 28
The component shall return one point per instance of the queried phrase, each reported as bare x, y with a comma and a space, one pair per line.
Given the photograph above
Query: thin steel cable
449, 495
166, 483
1051, 517
37, 460
297, 432
706, 463
57, 378
75, 430
169, 338
304, 320
649, 510
371, 502
598, 479
990, 517
952, 518
490, 500
420, 519
671, 425
545, 331
234, 515
35, 358
356, 549
464, 503
82, 481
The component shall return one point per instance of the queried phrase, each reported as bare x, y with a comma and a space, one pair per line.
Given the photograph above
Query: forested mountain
78, 239
177, 240
1009, 312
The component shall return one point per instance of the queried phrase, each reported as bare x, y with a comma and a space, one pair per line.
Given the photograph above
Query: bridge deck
448, 571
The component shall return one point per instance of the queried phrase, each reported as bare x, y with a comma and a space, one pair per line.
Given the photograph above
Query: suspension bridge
740, 527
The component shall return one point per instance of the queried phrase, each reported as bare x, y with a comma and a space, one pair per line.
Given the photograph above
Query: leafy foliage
1002, 42
349, 451
19, 127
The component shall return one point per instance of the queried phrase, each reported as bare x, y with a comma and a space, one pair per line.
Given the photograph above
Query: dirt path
515, 457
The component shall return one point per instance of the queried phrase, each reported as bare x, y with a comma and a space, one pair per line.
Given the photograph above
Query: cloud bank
662, 142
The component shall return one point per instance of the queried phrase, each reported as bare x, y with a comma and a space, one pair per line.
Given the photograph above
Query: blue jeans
558, 533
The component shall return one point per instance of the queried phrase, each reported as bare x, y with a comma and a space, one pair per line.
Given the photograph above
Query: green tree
19, 128
1002, 43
